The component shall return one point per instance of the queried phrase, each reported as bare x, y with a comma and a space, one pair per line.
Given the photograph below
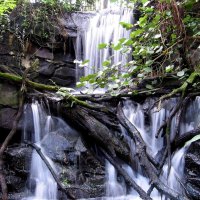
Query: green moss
8, 95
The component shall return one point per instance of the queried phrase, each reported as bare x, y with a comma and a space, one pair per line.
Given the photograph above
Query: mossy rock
8, 95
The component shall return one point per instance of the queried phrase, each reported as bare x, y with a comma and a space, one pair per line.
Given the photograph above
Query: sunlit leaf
181, 73
106, 62
127, 26
102, 46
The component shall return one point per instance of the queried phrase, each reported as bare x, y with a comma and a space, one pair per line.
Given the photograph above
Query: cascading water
41, 180
103, 28
135, 113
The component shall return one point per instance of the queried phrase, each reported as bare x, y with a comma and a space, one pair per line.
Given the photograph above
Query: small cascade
104, 28
140, 116
113, 187
41, 180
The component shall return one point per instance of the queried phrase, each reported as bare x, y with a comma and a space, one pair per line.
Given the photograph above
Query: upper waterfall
103, 27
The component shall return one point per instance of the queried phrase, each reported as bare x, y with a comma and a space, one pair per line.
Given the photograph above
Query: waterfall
41, 180
103, 27
148, 126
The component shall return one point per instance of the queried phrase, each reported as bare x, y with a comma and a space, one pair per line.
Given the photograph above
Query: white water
45, 187
103, 28
135, 113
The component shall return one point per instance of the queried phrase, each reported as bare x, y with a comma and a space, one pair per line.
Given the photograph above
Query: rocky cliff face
56, 50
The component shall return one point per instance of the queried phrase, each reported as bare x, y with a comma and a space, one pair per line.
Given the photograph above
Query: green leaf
117, 47
148, 86
148, 69
149, 62
140, 75
126, 75
157, 36
181, 73
122, 40
102, 46
146, 3
84, 63
136, 33
128, 42
106, 62
169, 68
88, 77
127, 26
80, 84
143, 21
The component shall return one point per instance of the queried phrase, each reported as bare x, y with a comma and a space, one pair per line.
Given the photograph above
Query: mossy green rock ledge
8, 95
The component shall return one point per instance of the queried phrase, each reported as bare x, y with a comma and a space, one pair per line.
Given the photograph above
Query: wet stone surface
192, 170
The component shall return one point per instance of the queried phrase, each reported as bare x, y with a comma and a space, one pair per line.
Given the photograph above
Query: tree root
167, 123
144, 162
61, 187
181, 140
130, 181
181, 111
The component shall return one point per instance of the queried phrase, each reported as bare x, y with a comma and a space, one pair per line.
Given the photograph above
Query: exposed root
130, 181
167, 123
181, 140
61, 187
144, 161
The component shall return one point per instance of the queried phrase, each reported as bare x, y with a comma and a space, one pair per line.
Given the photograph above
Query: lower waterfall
41, 180
42, 185
117, 190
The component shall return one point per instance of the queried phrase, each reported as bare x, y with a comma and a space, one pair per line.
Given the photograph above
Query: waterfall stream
135, 113
103, 27
41, 180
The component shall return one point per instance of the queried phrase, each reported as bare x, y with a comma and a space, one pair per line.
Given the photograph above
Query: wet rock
55, 146
46, 68
75, 21
17, 165
65, 72
76, 167
16, 196
18, 159
7, 116
192, 166
8, 95
69, 81
44, 53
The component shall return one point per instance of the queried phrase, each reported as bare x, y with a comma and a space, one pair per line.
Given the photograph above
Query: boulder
17, 161
192, 166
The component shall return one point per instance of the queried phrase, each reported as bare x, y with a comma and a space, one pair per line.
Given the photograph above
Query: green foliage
7, 5
156, 43
38, 20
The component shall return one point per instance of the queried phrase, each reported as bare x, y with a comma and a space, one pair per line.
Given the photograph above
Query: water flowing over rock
65, 148
103, 28
147, 121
